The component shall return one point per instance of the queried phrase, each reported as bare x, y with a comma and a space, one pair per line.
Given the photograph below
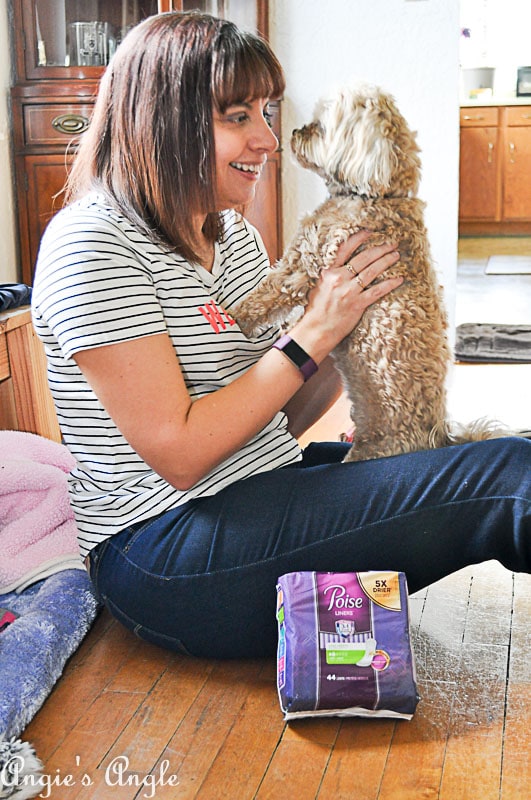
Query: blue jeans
201, 578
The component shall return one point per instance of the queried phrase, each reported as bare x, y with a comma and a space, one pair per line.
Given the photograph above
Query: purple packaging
344, 645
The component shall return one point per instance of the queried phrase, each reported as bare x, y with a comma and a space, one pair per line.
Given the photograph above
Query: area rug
493, 343
51, 618
508, 265
20, 771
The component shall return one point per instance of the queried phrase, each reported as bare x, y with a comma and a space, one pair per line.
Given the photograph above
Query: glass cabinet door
67, 39
76, 38
61, 48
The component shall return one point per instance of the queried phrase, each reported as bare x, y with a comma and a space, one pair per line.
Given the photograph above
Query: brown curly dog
394, 363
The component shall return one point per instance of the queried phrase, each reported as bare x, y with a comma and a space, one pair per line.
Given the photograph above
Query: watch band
297, 356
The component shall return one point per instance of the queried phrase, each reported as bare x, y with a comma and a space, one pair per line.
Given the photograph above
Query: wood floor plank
160, 714
475, 741
473, 760
438, 639
416, 608
238, 769
81, 750
490, 604
416, 758
516, 767
418, 749
321, 730
520, 662
300, 760
202, 732
141, 669
114, 786
358, 760
485, 246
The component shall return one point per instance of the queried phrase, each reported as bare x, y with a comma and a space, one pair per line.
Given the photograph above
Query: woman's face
243, 140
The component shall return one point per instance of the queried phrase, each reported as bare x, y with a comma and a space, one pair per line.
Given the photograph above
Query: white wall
409, 47
8, 248
499, 37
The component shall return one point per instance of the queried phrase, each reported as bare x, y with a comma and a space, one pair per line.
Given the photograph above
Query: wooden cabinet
495, 170
479, 165
46, 122
517, 164
25, 400
60, 55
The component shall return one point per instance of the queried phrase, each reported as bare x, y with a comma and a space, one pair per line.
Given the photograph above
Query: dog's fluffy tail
451, 432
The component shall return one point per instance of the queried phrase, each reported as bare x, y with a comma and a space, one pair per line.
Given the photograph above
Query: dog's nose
307, 130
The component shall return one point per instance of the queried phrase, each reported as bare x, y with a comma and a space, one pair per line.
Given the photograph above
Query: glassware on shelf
84, 33
90, 44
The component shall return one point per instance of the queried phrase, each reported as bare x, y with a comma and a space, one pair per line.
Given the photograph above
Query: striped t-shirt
100, 281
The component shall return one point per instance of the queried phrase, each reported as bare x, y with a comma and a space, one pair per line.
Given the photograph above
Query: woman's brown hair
150, 145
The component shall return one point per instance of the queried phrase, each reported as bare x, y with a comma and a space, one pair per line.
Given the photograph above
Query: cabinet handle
526, 116
469, 117
491, 150
512, 151
70, 123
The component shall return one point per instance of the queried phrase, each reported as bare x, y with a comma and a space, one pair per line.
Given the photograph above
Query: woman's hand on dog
344, 291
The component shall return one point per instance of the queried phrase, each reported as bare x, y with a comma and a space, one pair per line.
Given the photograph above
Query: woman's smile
243, 141
254, 170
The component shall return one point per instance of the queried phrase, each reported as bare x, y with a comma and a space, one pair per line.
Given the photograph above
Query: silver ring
350, 268
359, 280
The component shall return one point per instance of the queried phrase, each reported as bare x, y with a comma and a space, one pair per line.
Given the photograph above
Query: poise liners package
344, 645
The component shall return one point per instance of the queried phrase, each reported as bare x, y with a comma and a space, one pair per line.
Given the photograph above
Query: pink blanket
38, 535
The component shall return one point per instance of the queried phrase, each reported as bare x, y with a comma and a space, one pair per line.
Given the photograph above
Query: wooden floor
126, 712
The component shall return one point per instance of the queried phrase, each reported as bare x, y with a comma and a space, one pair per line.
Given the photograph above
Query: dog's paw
246, 321
248, 328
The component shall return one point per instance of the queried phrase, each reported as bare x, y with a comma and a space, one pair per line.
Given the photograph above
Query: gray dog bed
487, 342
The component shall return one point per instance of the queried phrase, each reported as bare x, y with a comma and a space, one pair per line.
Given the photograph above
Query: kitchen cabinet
479, 164
60, 54
517, 164
495, 170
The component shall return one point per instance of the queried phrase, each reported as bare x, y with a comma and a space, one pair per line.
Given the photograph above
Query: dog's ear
367, 143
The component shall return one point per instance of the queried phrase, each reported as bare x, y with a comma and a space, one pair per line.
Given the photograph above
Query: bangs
244, 69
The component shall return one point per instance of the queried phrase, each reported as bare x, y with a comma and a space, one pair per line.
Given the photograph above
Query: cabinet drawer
50, 124
4, 358
518, 115
485, 115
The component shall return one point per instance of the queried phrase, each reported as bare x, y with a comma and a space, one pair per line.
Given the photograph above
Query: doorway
494, 269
